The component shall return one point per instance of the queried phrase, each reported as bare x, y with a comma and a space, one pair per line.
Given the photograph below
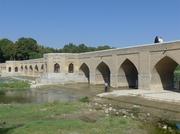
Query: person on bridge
158, 39
106, 87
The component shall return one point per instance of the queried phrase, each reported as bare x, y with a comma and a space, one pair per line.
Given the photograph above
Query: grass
84, 99
64, 118
14, 84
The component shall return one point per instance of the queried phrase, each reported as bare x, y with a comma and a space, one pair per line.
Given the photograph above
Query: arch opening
163, 74
71, 68
56, 68
16, 69
177, 78
9, 69
21, 68
26, 68
103, 74
128, 75
36, 68
84, 72
42, 67
30, 68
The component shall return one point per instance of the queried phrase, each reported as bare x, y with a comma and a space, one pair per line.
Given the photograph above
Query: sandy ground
168, 96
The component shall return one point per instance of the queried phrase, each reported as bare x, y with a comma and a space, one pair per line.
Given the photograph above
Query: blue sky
118, 23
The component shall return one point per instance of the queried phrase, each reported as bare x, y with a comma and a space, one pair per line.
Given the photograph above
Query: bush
15, 85
84, 99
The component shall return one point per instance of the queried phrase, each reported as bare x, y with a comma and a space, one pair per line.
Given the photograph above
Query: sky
117, 23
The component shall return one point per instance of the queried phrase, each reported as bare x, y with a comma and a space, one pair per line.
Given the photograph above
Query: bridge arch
22, 68
30, 69
71, 68
56, 68
103, 73
36, 68
42, 67
26, 68
128, 75
163, 74
16, 69
9, 69
84, 72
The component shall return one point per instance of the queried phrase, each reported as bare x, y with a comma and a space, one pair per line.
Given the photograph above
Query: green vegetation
84, 99
63, 118
177, 74
14, 84
28, 48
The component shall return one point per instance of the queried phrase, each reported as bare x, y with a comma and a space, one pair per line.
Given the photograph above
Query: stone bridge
141, 67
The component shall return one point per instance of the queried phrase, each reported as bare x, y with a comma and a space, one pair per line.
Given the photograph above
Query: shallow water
64, 93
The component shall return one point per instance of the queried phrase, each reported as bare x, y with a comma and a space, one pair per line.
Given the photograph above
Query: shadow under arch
128, 75
71, 68
22, 68
36, 68
163, 74
30, 68
103, 74
84, 71
42, 67
16, 69
56, 68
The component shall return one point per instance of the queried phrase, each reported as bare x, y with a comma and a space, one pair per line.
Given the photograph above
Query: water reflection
65, 93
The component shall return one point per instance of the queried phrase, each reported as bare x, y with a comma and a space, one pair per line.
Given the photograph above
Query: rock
124, 116
114, 110
110, 108
106, 111
96, 104
104, 105
164, 127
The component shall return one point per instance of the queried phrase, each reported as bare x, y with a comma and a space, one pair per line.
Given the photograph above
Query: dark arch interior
129, 72
85, 69
9, 69
26, 68
165, 69
71, 68
16, 69
42, 67
31, 68
56, 68
104, 71
36, 68
21, 67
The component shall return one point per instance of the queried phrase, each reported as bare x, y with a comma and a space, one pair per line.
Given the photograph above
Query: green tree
103, 47
70, 48
8, 50
26, 48
1, 56
82, 48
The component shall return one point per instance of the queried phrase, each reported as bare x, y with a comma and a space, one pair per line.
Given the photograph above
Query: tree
1, 56
103, 47
70, 48
25, 47
8, 50
82, 48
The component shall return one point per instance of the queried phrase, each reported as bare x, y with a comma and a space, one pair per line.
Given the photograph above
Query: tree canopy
28, 48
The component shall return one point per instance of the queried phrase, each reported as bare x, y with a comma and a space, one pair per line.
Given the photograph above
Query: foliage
28, 48
84, 99
7, 49
14, 84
